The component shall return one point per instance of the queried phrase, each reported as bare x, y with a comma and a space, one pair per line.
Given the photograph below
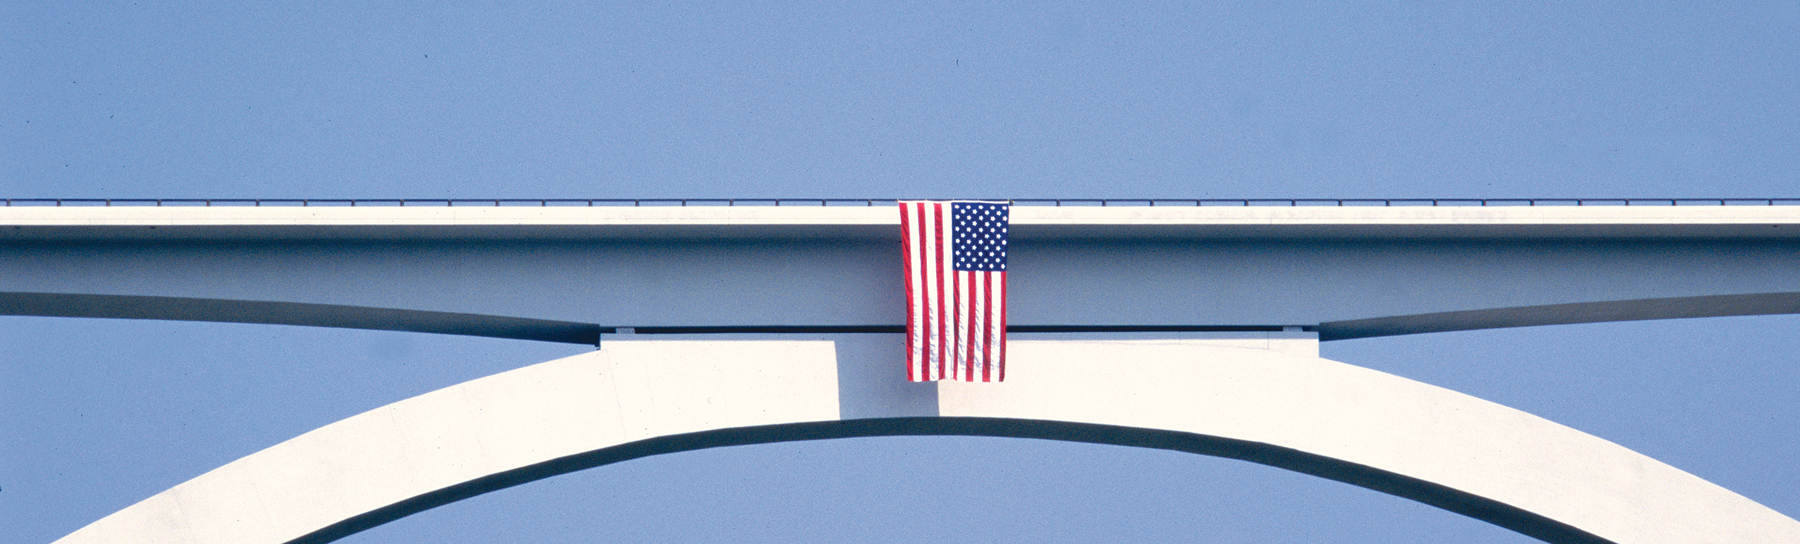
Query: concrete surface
1352, 271
1262, 397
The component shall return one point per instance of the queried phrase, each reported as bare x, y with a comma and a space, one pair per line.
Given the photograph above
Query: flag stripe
916, 321
1000, 332
979, 331
906, 250
937, 232
987, 328
927, 353
977, 365
928, 262
964, 318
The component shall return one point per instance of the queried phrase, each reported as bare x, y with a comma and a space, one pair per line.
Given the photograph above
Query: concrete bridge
1187, 328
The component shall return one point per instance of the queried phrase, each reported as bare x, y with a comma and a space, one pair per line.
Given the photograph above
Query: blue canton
979, 236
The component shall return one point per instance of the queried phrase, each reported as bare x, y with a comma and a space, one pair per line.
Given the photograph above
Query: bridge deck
561, 273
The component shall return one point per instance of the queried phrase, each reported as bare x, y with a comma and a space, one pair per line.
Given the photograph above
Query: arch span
1242, 397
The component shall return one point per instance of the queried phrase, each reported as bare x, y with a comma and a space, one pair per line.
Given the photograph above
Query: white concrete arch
1262, 397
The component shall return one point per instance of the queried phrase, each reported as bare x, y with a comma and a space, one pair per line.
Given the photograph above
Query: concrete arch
1243, 396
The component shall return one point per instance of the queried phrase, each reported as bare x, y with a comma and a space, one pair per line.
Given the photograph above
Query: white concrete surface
1267, 390
839, 266
1377, 420
110, 222
1354, 271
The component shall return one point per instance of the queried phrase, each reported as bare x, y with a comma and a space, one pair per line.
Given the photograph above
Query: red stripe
938, 231
912, 366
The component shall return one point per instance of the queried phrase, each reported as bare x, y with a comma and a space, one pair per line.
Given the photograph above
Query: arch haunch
1218, 397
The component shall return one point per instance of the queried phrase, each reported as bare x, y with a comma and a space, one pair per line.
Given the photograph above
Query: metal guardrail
639, 202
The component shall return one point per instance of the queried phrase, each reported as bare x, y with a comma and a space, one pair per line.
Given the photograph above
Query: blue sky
607, 100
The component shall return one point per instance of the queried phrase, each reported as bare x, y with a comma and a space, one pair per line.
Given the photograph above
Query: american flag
955, 289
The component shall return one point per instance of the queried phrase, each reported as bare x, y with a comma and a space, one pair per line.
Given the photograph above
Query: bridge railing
1289, 202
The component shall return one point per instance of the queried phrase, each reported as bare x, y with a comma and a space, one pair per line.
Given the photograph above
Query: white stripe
907, 214
928, 268
908, 246
916, 268
978, 323
971, 306
996, 328
976, 308
962, 323
929, 289
917, 294
954, 302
